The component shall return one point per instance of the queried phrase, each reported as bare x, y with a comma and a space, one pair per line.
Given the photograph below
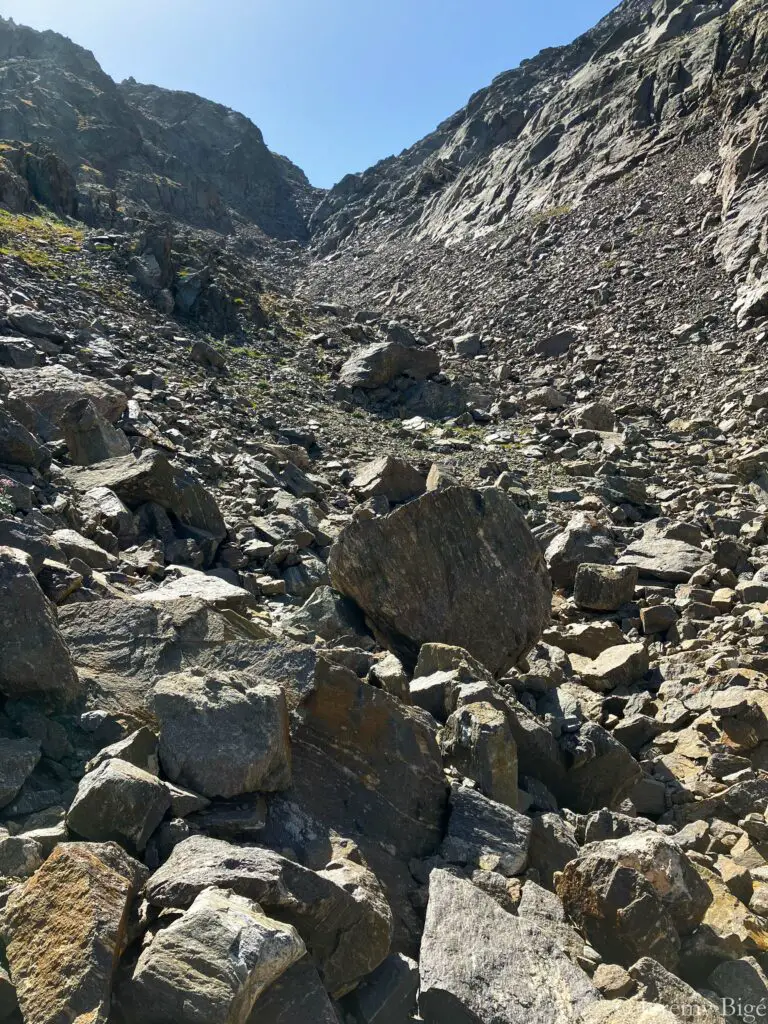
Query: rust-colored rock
66, 929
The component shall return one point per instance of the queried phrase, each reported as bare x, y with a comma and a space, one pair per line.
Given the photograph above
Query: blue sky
334, 84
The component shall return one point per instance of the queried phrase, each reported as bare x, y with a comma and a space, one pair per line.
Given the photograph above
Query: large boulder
367, 765
152, 478
211, 965
66, 929
51, 389
34, 658
222, 737
18, 446
381, 362
89, 436
634, 896
118, 801
394, 478
340, 912
457, 566
479, 963
175, 636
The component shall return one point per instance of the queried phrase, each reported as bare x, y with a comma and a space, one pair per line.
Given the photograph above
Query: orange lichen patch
67, 928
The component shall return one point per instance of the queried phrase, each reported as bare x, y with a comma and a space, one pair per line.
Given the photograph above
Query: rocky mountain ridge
138, 148
383, 620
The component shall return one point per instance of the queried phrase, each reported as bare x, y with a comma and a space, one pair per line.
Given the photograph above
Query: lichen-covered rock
634, 897
479, 963
65, 930
478, 742
211, 965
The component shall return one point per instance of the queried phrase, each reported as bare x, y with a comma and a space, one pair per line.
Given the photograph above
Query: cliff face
647, 80
563, 122
137, 148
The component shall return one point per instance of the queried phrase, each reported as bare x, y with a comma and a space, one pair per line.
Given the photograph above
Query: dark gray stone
425, 572
485, 834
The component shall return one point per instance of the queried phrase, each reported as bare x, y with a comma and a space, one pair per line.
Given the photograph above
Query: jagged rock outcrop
158, 150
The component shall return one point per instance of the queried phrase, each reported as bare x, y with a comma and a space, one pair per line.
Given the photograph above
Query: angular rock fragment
18, 447
211, 965
588, 639
101, 508
485, 834
152, 478
74, 545
658, 985
18, 758
479, 963
297, 997
33, 655
89, 436
617, 666
340, 912
329, 615
367, 765
424, 573
381, 362
662, 555
20, 856
212, 591
51, 389
391, 477
478, 741
584, 540
222, 737
118, 801
604, 588
634, 897
388, 995
31, 322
